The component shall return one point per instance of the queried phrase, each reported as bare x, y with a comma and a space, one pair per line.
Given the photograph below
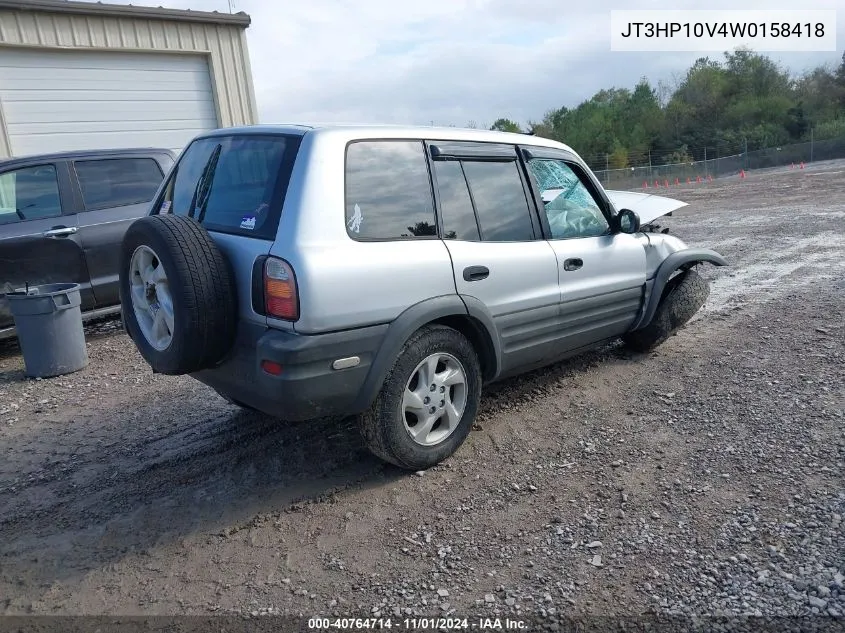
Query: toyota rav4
391, 272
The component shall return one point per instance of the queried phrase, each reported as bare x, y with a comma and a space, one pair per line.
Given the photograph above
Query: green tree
506, 125
721, 105
618, 159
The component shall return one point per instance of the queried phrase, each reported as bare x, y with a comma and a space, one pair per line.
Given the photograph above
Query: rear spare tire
177, 294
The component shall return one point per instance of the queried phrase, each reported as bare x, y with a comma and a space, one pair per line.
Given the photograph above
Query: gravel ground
704, 478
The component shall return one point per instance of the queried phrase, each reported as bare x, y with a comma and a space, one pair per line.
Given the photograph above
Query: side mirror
628, 221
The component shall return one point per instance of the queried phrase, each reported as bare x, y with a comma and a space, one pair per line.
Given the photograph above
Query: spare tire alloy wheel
152, 301
177, 294
435, 399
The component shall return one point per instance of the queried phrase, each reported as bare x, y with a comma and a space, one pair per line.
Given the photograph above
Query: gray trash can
48, 319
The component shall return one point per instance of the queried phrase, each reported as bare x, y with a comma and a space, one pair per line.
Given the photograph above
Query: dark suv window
388, 191
456, 209
117, 182
500, 202
29, 193
233, 184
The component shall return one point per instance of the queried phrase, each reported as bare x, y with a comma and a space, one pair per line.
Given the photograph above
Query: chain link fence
638, 177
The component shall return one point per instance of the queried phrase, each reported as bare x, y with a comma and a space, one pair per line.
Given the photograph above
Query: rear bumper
308, 386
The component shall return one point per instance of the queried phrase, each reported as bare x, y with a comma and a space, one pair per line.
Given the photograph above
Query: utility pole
811, 144
649, 164
705, 160
745, 153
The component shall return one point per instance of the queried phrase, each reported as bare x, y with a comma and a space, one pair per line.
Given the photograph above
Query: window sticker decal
355, 221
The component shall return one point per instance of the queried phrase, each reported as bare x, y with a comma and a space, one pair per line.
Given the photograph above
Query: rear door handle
476, 273
573, 264
60, 231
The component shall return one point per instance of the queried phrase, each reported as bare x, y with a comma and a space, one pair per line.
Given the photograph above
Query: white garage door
69, 100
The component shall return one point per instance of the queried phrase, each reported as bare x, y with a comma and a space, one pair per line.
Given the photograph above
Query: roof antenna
230, 6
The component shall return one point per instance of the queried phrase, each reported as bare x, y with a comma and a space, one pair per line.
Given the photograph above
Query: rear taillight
281, 298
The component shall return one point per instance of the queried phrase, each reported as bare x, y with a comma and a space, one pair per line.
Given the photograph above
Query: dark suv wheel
428, 402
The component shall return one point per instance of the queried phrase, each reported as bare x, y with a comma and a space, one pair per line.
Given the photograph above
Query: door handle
476, 273
573, 264
60, 231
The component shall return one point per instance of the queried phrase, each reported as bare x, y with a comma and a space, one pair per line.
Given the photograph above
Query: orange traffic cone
657, 183
793, 166
666, 183
677, 182
688, 180
698, 179
742, 173
802, 164
709, 178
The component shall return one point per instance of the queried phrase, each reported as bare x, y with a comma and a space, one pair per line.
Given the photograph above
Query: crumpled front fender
681, 259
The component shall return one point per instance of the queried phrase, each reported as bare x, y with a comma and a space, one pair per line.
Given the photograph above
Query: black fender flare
682, 259
478, 311
408, 322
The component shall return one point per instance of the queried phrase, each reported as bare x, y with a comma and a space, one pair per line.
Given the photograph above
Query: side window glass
456, 210
503, 213
571, 209
29, 193
117, 182
388, 191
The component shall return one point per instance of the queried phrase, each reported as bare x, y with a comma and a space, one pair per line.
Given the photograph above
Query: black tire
202, 289
682, 298
383, 425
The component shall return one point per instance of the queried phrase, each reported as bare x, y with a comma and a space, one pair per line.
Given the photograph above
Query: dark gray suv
63, 216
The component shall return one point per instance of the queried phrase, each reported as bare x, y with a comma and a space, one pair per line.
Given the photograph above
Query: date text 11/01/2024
723, 29
418, 624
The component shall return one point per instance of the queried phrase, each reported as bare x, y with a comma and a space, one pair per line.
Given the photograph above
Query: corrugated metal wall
226, 46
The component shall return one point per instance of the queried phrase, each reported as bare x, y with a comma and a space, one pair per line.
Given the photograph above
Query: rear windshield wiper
203, 188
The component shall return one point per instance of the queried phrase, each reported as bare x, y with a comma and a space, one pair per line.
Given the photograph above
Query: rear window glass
117, 182
233, 184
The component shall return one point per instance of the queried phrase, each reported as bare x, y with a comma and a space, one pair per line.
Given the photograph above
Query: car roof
355, 130
88, 153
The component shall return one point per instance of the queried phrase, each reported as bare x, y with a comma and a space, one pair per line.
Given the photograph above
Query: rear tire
170, 266
413, 425
683, 297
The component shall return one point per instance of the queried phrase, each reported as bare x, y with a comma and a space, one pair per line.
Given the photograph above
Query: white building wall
224, 45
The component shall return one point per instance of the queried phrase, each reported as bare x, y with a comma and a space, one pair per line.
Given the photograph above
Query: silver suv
390, 272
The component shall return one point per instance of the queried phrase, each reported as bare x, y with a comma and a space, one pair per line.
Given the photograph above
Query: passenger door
38, 243
498, 255
114, 192
602, 271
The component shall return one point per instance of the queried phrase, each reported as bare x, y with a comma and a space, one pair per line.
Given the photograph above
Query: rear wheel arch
480, 338
448, 310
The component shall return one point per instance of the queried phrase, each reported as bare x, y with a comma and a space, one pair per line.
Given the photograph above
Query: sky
454, 62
